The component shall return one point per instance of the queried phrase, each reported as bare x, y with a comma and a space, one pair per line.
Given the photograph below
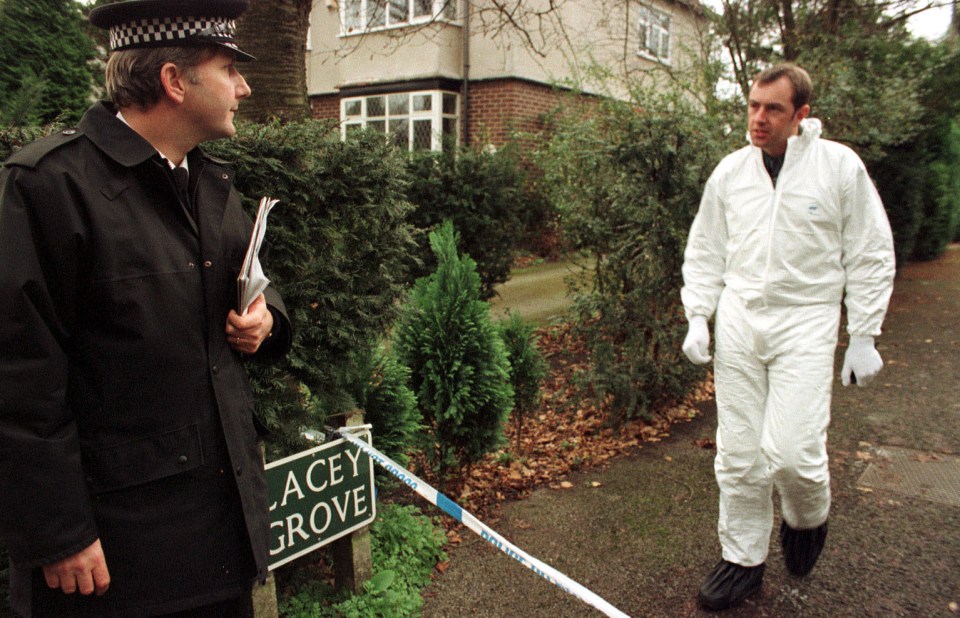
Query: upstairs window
358, 16
654, 34
424, 120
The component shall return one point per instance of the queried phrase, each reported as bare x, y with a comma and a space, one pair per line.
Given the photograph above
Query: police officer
130, 470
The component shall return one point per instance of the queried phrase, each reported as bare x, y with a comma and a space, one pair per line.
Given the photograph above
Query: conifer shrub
483, 195
460, 371
340, 251
527, 370
388, 403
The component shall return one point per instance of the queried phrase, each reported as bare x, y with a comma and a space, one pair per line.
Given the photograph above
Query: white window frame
355, 113
365, 17
654, 32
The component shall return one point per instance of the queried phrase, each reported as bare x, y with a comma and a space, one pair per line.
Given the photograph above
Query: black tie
181, 178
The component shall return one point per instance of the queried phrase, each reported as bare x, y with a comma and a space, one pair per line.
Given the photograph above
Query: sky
931, 24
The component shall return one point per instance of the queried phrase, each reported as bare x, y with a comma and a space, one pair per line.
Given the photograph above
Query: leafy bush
628, 183
482, 194
527, 369
340, 251
460, 370
405, 546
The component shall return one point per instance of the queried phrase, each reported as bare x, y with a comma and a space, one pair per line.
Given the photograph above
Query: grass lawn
539, 292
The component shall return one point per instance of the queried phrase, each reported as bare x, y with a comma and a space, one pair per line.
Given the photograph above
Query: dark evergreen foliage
339, 254
460, 370
384, 395
482, 194
46, 62
528, 368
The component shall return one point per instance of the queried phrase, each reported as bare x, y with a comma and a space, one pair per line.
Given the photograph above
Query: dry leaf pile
568, 434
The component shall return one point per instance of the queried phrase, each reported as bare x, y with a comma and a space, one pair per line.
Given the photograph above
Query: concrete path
641, 533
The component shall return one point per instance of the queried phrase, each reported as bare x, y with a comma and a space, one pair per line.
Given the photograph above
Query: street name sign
318, 496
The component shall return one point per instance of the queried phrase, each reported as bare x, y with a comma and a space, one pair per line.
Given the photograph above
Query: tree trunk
275, 31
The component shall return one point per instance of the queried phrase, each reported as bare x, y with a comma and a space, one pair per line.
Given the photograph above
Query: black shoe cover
728, 584
801, 548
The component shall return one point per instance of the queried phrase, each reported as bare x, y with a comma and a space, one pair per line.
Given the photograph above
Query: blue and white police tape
436, 498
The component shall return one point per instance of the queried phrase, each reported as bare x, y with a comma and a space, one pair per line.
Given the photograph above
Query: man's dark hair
133, 75
802, 85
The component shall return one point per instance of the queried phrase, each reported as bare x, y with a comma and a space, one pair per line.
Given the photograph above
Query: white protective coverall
774, 263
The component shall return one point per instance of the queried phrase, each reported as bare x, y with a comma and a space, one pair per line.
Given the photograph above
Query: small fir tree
527, 370
460, 370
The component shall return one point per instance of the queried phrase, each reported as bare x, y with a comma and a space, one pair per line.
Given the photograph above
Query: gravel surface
642, 532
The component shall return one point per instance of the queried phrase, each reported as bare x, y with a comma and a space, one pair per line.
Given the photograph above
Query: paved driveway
645, 537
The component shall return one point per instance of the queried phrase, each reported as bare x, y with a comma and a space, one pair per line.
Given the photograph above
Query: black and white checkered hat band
157, 31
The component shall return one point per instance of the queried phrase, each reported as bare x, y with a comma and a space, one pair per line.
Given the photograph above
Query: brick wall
501, 107
326, 106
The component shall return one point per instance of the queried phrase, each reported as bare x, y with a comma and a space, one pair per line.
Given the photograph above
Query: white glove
697, 343
862, 362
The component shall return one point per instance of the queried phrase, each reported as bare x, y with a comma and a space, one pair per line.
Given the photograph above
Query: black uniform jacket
124, 415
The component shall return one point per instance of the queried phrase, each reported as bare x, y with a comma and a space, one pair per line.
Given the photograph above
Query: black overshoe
801, 548
728, 584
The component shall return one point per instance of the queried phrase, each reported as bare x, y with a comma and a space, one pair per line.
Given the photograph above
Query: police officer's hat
171, 23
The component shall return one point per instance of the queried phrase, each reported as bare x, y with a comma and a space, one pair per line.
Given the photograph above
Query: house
430, 73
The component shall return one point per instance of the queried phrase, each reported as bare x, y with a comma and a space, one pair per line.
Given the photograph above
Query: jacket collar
119, 141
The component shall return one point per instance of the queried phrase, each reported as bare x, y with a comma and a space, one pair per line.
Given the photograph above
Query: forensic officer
131, 481
788, 226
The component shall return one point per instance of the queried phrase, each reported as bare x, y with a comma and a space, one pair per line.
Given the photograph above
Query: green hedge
340, 253
483, 195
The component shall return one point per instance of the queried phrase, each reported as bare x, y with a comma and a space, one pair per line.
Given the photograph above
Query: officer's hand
862, 361
697, 343
85, 571
246, 332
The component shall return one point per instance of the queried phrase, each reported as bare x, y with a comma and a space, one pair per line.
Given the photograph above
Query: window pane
352, 129
376, 13
422, 8
351, 15
379, 126
399, 104
422, 134
450, 126
449, 142
449, 103
400, 132
375, 107
398, 11
353, 107
422, 102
